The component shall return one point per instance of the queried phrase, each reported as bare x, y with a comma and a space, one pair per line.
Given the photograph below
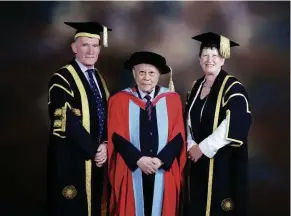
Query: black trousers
148, 192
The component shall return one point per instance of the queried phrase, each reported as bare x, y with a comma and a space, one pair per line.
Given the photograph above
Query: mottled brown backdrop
34, 43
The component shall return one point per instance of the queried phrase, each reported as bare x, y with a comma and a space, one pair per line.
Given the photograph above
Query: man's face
146, 76
86, 50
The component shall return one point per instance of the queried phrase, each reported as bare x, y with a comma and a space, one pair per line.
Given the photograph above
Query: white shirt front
84, 69
143, 94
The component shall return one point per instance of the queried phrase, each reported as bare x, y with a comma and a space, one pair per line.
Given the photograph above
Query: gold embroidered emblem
69, 192
77, 112
57, 123
227, 204
58, 112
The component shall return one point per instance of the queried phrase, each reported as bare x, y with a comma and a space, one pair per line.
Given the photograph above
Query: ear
133, 72
74, 47
200, 61
222, 61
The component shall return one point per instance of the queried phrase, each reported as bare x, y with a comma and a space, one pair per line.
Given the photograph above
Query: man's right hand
147, 165
101, 155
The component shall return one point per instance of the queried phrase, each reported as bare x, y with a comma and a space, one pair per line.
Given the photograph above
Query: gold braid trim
86, 125
211, 162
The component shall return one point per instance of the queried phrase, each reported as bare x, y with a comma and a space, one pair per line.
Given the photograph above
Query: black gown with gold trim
219, 186
75, 183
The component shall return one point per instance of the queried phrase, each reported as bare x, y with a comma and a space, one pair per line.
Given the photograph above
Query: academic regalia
73, 143
218, 186
131, 136
223, 179
76, 186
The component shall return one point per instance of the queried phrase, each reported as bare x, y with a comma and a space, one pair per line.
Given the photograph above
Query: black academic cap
145, 57
90, 29
222, 42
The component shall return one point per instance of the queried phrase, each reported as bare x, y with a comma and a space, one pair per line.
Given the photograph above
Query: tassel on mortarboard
105, 36
224, 47
171, 83
90, 29
222, 42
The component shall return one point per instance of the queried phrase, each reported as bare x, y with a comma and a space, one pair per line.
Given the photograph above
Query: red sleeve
174, 176
121, 201
116, 122
177, 126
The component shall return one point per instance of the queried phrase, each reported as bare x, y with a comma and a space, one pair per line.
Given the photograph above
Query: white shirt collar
83, 67
143, 94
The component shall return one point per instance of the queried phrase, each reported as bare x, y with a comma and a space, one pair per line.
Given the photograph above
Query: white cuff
215, 141
207, 149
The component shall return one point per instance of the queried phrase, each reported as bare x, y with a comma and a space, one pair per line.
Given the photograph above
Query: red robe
122, 202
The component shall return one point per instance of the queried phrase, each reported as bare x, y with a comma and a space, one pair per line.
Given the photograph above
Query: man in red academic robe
146, 143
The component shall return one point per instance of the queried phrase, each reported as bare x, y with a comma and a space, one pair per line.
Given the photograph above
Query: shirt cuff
206, 148
215, 141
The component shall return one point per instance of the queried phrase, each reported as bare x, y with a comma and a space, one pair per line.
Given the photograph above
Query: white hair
133, 72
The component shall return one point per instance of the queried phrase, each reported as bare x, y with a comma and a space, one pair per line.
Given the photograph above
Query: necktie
100, 107
149, 106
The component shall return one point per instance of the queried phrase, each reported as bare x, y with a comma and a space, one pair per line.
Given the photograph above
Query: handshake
149, 165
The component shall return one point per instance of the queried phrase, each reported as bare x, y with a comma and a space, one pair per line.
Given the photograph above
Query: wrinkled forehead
146, 67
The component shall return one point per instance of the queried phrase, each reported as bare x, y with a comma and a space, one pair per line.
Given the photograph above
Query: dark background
34, 43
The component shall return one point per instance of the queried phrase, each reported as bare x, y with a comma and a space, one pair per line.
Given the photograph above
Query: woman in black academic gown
218, 121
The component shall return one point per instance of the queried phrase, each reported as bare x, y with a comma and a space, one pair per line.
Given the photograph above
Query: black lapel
101, 87
104, 101
207, 119
194, 124
91, 99
84, 81
193, 92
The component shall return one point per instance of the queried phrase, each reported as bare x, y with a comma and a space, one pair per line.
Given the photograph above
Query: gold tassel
105, 36
224, 47
171, 83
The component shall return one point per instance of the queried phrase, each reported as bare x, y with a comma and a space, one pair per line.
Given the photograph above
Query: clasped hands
149, 165
101, 155
194, 153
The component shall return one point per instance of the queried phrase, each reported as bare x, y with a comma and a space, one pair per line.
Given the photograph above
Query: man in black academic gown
77, 152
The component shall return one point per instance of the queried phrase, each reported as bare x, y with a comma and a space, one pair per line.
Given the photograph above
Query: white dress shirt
143, 94
84, 69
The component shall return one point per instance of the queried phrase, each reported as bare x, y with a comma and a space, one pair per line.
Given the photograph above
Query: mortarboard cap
90, 29
222, 42
145, 57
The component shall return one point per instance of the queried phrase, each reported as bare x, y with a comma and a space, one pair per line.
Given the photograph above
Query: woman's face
211, 61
